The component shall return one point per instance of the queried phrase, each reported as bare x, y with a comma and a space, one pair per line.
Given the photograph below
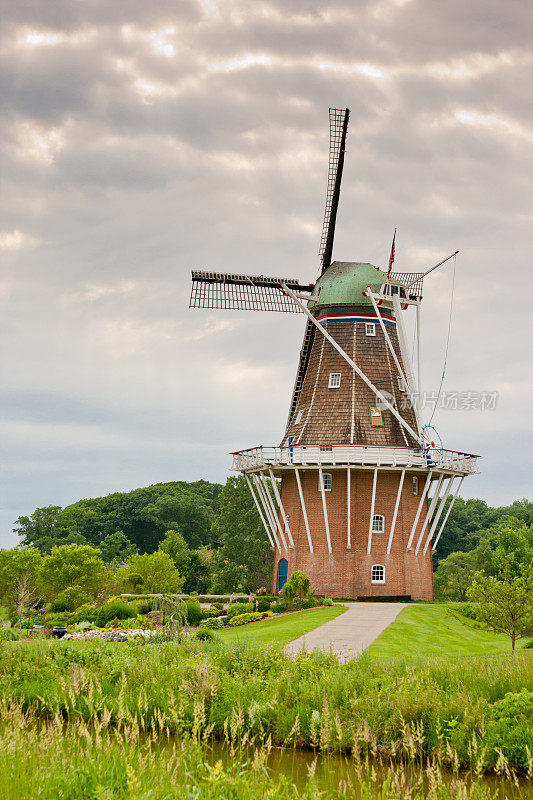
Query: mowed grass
435, 630
281, 630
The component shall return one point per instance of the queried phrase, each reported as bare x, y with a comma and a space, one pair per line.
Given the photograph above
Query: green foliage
244, 619
204, 634
505, 603
156, 572
7, 635
279, 607
298, 585
115, 609
327, 601
239, 608
194, 612
116, 547
245, 557
20, 571
263, 604
72, 565
69, 599
212, 622
192, 565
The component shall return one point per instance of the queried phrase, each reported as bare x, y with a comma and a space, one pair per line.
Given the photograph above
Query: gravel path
350, 633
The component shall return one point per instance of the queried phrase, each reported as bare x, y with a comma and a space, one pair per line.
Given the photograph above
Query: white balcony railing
357, 455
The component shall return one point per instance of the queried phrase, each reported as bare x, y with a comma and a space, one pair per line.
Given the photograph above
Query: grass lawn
431, 630
280, 630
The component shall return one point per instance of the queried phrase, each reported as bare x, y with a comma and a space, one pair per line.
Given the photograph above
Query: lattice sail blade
412, 279
338, 125
244, 292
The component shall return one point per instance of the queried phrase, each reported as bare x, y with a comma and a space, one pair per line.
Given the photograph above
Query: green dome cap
344, 282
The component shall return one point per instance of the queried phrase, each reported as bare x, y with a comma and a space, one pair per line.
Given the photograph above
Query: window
326, 477
378, 523
401, 384
334, 380
415, 485
318, 292
378, 573
326, 448
370, 328
376, 417
299, 416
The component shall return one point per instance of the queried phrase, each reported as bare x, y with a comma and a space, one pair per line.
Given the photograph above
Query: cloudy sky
141, 140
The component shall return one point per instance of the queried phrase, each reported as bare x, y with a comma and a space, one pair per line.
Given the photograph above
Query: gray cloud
142, 140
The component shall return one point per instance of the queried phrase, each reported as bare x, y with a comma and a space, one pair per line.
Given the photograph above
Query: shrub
85, 612
7, 635
529, 645
263, 604
307, 603
239, 608
279, 607
212, 622
144, 606
244, 619
204, 634
69, 599
327, 601
194, 612
116, 609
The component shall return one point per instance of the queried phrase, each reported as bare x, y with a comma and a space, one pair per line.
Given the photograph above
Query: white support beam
304, 510
386, 335
280, 504
431, 509
406, 358
326, 520
259, 511
372, 505
415, 523
439, 512
396, 506
352, 363
268, 510
418, 368
435, 543
273, 509
349, 508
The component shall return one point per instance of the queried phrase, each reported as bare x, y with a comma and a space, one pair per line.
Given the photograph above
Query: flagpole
392, 253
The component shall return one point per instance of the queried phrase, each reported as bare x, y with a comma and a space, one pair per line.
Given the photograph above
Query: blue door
283, 566
290, 440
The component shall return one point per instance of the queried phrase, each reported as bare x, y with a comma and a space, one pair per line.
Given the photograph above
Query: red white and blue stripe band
356, 316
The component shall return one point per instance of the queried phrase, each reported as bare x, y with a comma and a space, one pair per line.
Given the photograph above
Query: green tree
72, 565
156, 571
298, 585
19, 577
41, 529
245, 554
116, 547
504, 604
192, 565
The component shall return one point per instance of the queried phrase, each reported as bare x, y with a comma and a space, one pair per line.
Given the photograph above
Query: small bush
144, 606
116, 609
69, 599
327, 601
244, 619
212, 622
194, 612
529, 645
86, 612
263, 604
280, 607
307, 603
7, 635
204, 634
236, 609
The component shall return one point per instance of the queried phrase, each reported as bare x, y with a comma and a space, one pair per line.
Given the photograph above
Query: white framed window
326, 477
378, 523
326, 448
370, 328
415, 484
377, 574
334, 380
299, 416
401, 384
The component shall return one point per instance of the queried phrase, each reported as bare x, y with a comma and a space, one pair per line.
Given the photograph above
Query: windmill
356, 467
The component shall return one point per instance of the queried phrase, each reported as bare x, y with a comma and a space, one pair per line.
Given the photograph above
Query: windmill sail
244, 292
338, 125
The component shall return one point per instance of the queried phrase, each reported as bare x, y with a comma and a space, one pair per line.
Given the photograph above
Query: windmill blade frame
238, 292
338, 126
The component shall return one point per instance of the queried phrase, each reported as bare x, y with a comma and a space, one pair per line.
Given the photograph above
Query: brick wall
347, 572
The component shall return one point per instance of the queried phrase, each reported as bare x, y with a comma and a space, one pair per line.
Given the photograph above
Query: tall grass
478, 717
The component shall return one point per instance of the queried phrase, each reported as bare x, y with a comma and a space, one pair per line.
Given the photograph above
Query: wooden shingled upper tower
353, 508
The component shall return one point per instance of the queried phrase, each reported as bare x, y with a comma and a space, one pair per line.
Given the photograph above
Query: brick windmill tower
352, 509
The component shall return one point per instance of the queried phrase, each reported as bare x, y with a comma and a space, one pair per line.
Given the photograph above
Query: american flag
392, 251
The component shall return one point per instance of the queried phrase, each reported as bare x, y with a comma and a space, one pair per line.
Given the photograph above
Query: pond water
342, 772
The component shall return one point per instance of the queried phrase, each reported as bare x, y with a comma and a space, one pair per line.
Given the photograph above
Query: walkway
350, 633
